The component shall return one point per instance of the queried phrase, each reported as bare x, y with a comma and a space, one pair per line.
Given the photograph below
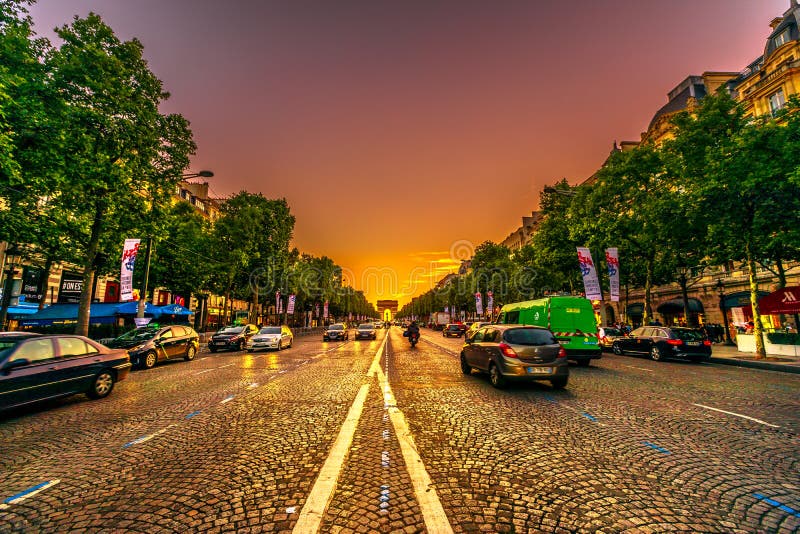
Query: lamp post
11, 255
683, 276
200, 174
143, 297
721, 293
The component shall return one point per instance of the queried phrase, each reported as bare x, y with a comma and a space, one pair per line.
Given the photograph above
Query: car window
231, 330
35, 350
336, 327
660, 332
490, 335
166, 334
478, 337
178, 331
512, 317
611, 332
640, 332
688, 335
73, 346
270, 330
529, 336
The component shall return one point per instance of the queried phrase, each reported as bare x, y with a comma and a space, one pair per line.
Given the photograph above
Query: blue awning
61, 314
132, 308
173, 309
16, 312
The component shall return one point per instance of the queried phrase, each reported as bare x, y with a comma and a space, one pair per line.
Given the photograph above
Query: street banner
591, 284
141, 321
325, 310
316, 311
290, 307
278, 302
129, 252
350, 316
447, 309
478, 304
612, 260
489, 301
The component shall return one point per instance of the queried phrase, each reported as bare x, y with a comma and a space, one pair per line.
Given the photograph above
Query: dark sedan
335, 332
366, 331
453, 330
232, 337
514, 352
661, 343
149, 345
35, 368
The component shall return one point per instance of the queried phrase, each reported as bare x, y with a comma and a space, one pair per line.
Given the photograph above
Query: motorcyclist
413, 329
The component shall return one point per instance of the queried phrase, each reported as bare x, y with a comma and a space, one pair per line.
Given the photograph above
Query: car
232, 337
516, 352
607, 334
336, 332
452, 330
271, 337
34, 368
366, 331
474, 327
661, 343
149, 345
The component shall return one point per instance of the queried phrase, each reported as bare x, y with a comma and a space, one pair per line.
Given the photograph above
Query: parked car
452, 330
474, 327
232, 337
35, 368
513, 352
335, 332
366, 331
607, 334
271, 337
660, 343
149, 345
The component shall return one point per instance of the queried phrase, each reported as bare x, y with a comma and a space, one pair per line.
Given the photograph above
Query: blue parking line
134, 442
550, 398
192, 414
776, 504
589, 417
656, 447
26, 492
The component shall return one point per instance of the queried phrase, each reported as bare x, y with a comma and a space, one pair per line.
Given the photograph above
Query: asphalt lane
237, 442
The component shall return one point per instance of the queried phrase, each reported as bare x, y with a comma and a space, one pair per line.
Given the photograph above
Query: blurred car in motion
335, 332
232, 337
452, 330
149, 345
513, 352
34, 368
607, 335
661, 342
271, 337
366, 331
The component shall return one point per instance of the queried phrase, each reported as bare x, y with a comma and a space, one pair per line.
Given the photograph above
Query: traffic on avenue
374, 435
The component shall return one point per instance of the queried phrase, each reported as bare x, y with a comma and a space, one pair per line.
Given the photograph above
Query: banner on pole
591, 284
325, 310
290, 306
129, 251
478, 304
489, 301
612, 260
316, 311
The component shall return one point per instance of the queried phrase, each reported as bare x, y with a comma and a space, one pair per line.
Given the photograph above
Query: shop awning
174, 309
132, 308
786, 300
100, 312
17, 312
676, 306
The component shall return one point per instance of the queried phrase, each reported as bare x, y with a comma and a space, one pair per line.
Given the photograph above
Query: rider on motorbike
412, 333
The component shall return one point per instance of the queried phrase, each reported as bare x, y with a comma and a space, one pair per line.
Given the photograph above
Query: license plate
693, 343
540, 370
564, 341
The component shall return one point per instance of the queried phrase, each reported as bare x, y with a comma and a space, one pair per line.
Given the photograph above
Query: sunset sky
403, 134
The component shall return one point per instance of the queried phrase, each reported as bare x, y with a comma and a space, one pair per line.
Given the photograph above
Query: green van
571, 319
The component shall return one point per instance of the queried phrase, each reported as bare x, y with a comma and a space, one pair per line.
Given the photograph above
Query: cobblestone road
236, 442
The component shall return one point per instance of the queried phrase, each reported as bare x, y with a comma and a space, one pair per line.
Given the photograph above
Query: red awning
786, 300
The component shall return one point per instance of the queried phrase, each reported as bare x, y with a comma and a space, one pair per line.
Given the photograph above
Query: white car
271, 337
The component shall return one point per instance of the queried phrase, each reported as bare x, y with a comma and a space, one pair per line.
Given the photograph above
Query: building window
782, 38
777, 101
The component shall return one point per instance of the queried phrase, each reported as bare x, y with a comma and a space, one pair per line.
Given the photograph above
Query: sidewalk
731, 356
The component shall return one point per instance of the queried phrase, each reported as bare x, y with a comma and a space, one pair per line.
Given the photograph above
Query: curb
766, 366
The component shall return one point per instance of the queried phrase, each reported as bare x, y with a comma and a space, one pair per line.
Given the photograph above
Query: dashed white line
737, 415
639, 368
201, 372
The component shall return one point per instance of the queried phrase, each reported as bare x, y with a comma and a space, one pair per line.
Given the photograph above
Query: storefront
673, 312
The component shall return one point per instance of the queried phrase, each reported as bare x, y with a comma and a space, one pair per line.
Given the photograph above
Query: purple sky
401, 131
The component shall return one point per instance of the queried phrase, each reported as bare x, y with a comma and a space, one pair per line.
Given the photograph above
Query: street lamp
11, 256
721, 293
683, 276
200, 174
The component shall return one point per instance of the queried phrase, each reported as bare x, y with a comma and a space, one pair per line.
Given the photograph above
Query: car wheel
560, 382
465, 368
150, 360
190, 353
291, 340
495, 377
655, 353
102, 385
616, 349
240, 346
584, 363
212, 349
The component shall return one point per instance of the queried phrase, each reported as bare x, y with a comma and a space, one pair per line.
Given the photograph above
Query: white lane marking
639, 368
201, 372
431, 507
224, 366
737, 415
19, 497
310, 518
227, 399
148, 437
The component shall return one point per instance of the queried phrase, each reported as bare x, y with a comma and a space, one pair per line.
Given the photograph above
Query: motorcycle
413, 338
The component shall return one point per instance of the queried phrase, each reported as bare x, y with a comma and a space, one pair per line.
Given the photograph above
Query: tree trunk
758, 332
84, 308
44, 280
781, 273
648, 310
685, 296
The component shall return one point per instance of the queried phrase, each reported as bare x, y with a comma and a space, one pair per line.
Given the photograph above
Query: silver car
271, 337
510, 352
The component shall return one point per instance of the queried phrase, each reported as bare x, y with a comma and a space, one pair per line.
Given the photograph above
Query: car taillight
562, 352
605, 339
507, 351
707, 343
675, 342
